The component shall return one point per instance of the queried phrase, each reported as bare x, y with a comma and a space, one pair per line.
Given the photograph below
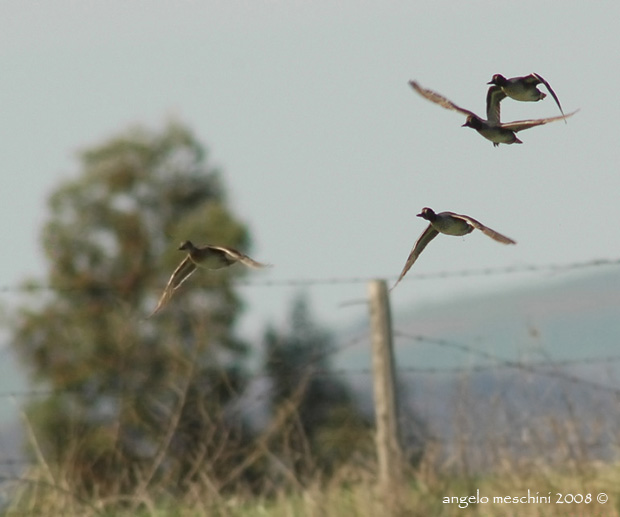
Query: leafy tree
327, 427
136, 401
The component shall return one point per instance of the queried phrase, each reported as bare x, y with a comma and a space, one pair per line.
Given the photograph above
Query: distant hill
559, 319
518, 364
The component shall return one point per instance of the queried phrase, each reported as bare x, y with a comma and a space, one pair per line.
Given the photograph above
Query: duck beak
490, 82
418, 215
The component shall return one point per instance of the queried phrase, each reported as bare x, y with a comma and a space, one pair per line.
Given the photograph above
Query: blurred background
289, 130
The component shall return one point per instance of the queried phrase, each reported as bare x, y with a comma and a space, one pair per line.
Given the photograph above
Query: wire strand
292, 282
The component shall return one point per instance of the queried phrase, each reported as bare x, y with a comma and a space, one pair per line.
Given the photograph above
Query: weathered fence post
389, 450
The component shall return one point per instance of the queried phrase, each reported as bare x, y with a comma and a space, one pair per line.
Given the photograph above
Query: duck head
186, 245
428, 214
473, 122
498, 80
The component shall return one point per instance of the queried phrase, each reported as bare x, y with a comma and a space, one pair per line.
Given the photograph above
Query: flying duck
491, 129
522, 88
448, 223
207, 257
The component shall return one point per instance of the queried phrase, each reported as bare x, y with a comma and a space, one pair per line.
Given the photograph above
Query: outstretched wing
540, 79
520, 125
237, 256
439, 99
427, 236
181, 273
485, 229
494, 96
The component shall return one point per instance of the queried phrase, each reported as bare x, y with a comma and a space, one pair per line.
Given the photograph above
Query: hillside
516, 367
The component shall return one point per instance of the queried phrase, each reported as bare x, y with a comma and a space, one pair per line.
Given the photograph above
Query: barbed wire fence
33, 286
551, 368
548, 368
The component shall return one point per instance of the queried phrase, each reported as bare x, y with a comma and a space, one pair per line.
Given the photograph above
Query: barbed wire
500, 439
475, 368
542, 367
316, 358
545, 367
531, 367
487, 271
293, 282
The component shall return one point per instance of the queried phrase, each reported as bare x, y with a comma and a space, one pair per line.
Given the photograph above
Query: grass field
594, 493
500, 460
443, 483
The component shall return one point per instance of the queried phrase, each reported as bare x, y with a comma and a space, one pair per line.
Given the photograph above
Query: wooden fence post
389, 450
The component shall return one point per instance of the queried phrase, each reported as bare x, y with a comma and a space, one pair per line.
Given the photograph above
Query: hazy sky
326, 151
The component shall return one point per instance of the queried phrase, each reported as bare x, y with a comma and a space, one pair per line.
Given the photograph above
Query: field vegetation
164, 417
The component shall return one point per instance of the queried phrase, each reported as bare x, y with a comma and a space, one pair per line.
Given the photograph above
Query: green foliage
135, 401
326, 428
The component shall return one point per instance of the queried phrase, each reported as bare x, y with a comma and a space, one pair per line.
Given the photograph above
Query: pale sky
326, 151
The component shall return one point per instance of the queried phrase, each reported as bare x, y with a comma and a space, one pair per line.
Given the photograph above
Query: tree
136, 401
327, 427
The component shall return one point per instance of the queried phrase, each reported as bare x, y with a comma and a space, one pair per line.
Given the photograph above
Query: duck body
448, 223
205, 257
522, 89
498, 134
210, 257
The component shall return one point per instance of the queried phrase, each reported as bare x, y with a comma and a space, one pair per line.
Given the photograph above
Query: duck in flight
521, 89
448, 223
492, 129
207, 257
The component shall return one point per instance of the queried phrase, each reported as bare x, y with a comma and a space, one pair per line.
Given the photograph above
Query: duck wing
540, 79
236, 256
440, 99
494, 96
427, 236
180, 274
520, 125
485, 229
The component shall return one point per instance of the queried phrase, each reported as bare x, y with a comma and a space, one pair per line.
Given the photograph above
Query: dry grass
449, 496
496, 454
